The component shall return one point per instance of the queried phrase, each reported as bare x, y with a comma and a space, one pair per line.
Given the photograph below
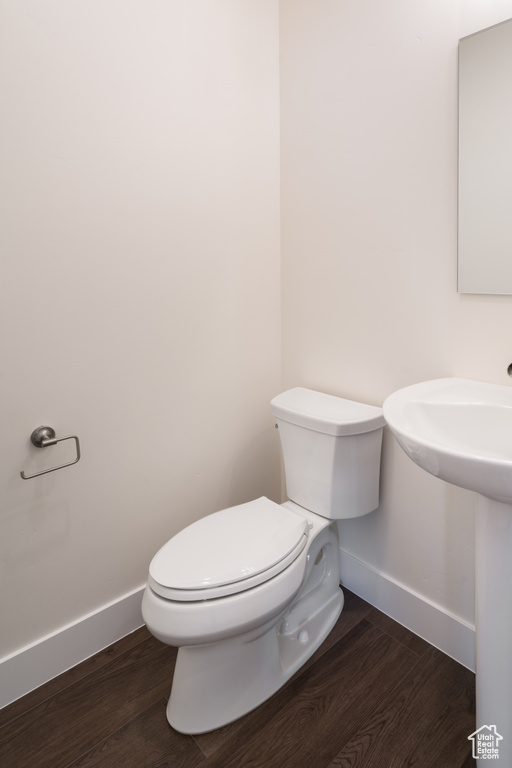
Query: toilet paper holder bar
45, 436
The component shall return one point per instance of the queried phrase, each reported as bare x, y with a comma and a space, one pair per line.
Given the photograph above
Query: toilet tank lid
326, 413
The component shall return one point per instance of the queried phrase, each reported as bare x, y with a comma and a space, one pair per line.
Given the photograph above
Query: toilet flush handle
44, 436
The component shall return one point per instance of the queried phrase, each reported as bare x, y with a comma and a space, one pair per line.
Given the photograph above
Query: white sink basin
461, 431
458, 430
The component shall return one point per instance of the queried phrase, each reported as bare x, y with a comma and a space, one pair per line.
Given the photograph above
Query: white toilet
249, 593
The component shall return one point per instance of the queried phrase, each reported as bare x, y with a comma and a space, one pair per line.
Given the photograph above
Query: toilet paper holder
45, 436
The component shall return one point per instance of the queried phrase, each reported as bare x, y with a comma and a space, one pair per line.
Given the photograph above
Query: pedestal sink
461, 432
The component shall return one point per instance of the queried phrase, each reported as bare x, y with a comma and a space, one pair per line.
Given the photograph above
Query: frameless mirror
485, 161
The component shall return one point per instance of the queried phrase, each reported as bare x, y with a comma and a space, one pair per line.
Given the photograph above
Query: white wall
140, 286
369, 212
140, 276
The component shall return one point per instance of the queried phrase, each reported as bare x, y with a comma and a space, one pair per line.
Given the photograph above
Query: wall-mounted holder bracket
45, 436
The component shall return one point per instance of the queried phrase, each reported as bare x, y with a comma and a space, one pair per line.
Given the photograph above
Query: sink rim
470, 468
402, 397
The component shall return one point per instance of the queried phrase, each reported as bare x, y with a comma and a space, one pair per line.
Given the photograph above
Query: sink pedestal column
493, 540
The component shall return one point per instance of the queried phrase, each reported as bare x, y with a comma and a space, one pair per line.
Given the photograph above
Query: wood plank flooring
373, 696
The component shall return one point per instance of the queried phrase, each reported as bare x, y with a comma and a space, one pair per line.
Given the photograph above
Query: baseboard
430, 621
48, 657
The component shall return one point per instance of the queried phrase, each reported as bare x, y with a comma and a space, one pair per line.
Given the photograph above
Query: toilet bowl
248, 593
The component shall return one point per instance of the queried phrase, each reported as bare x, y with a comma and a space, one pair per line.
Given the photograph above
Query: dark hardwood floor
373, 696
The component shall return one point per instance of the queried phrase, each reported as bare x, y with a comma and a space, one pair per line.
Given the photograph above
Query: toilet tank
331, 449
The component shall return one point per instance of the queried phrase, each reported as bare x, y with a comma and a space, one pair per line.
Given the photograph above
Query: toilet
248, 593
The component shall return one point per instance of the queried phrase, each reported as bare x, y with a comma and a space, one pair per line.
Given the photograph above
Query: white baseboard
444, 630
48, 657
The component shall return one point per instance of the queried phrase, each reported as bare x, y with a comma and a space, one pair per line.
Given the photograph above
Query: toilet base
217, 683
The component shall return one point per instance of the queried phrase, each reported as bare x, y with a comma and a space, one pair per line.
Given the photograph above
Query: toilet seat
228, 552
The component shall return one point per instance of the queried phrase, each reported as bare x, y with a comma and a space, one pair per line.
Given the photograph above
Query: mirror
485, 161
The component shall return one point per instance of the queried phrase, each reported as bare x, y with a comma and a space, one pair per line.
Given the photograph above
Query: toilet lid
228, 551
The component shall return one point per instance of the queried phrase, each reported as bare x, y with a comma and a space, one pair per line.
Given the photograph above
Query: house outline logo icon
486, 743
